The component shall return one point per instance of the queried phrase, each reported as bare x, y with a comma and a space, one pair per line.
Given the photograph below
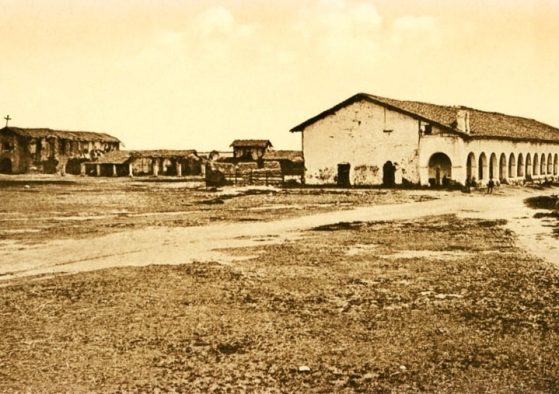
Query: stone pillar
114, 169
155, 167
98, 169
82, 169
130, 170
203, 170
178, 167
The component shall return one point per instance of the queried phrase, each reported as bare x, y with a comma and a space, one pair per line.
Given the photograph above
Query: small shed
250, 150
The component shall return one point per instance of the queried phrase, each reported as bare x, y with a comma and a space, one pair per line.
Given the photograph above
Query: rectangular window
7, 146
428, 129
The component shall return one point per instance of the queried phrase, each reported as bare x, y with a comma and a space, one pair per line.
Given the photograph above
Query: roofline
514, 139
102, 135
369, 98
268, 142
467, 136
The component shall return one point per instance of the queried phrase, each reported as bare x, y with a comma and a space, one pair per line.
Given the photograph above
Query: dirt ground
399, 291
37, 209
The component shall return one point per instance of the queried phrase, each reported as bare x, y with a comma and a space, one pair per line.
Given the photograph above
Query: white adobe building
371, 140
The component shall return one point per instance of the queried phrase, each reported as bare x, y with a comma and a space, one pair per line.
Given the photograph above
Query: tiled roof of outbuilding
122, 156
483, 124
251, 143
293, 155
62, 134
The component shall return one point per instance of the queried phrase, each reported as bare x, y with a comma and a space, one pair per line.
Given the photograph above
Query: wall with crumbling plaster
366, 136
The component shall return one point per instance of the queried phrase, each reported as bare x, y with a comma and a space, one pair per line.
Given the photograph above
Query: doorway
343, 174
5, 166
389, 174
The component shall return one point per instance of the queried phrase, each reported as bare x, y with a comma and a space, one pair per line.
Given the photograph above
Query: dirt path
157, 245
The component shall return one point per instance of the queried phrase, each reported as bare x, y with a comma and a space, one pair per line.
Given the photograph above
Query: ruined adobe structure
371, 140
180, 163
51, 151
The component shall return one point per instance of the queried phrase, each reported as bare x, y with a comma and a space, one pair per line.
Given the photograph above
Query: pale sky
200, 73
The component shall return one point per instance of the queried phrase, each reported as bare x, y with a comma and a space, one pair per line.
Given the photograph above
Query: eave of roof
62, 134
372, 99
251, 143
484, 124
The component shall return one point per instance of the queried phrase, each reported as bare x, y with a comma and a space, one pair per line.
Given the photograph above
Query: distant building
371, 140
51, 151
146, 162
291, 162
250, 150
215, 155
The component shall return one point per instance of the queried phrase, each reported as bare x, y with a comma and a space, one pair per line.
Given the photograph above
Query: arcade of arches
503, 166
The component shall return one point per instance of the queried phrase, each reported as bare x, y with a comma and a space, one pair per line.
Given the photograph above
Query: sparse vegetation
438, 304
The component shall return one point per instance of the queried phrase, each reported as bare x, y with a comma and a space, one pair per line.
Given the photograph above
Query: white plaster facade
367, 135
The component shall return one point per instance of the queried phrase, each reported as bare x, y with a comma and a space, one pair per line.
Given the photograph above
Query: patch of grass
76, 207
487, 321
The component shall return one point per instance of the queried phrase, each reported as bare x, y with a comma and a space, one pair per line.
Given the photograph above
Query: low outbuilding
147, 162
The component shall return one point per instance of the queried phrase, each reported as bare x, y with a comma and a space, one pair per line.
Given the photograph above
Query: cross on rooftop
7, 117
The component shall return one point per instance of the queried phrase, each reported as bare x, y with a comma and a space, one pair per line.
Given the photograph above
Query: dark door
343, 174
5, 166
388, 170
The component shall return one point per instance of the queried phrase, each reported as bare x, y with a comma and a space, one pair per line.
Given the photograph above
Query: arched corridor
493, 166
528, 165
482, 167
502, 167
520, 165
536, 168
512, 166
470, 166
440, 168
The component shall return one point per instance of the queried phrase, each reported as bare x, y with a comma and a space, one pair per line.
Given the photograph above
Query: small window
7, 146
428, 129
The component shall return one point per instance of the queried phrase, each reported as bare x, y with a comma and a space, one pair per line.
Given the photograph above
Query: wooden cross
7, 117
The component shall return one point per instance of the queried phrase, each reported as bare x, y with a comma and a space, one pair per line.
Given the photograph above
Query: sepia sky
199, 73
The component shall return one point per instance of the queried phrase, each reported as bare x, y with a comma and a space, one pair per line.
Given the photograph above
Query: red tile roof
483, 124
62, 134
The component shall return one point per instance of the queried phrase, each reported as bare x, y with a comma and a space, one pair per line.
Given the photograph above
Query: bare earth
126, 286
179, 245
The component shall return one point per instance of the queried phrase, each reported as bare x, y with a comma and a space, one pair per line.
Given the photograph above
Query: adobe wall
366, 136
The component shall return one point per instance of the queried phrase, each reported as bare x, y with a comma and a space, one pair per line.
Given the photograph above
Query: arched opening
512, 166
493, 166
388, 174
549, 164
555, 164
502, 167
543, 167
5, 166
471, 166
482, 167
520, 165
536, 167
528, 165
440, 169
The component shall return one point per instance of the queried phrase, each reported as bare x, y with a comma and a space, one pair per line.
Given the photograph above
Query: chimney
463, 120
